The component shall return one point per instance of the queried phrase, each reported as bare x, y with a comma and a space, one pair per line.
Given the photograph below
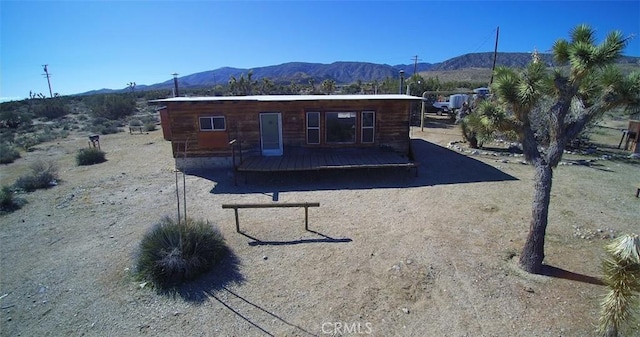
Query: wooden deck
325, 160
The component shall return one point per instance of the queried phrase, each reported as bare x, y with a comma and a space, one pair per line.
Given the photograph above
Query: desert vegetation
173, 252
90, 156
43, 174
8, 201
563, 103
621, 269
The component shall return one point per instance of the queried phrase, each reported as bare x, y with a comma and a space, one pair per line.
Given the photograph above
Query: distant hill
468, 67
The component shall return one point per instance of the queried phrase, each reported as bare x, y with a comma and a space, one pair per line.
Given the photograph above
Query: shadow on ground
321, 239
557, 272
436, 166
224, 274
216, 285
270, 316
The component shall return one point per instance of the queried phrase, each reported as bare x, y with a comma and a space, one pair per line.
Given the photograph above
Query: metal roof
288, 98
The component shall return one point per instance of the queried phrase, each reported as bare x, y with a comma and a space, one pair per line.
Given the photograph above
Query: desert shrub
8, 202
104, 126
150, 127
14, 118
27, 141
112, 106
90, 156
46, 135
172, 253
51, 108
44, 174
8, 153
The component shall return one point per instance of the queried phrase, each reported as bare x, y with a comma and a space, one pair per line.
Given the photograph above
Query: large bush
44, 174
112, 106
9, 203
8, 153
104, 126
172, 253
51, 108
90, 156
13, 118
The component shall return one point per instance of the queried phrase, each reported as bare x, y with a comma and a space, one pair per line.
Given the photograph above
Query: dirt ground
387, 254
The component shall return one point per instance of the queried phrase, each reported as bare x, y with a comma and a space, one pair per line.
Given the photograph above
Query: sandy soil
388, 254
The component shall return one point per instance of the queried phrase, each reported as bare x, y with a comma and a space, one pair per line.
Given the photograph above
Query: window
341, 127
313, 128
368, 123
216, 123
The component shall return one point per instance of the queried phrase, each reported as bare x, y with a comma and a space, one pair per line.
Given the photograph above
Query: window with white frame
368, 126
213, 123
313, 128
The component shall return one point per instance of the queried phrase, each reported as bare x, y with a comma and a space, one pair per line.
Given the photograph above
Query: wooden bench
306, 206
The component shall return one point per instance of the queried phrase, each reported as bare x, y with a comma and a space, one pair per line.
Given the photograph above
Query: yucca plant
621, 270
172, 253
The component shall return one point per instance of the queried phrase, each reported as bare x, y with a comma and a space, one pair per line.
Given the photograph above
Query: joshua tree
622, 276
328, 86
567, 101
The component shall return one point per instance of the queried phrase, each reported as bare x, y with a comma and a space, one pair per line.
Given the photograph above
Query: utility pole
47, 75
415, 63
175, 85
495, 55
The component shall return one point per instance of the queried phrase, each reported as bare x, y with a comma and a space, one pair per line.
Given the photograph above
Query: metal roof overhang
288, 98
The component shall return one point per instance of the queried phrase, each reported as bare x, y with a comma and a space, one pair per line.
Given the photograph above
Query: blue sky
107, 44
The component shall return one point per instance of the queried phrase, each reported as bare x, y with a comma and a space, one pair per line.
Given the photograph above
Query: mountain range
350, 72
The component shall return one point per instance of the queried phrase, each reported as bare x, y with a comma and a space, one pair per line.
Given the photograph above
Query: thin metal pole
422, 112
306, 218
184, 183
178, 195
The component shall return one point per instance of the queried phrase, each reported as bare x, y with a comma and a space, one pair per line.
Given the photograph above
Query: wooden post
237, 221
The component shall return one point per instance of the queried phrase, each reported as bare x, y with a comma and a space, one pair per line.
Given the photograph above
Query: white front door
271, 133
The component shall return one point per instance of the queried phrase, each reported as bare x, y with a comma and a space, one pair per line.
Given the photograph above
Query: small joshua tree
621, 270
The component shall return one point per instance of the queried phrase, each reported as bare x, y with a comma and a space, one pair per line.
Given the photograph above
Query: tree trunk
533, 251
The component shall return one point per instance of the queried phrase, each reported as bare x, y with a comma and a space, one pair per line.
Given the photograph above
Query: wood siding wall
243, 123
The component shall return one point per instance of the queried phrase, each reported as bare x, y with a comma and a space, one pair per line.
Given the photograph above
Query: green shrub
172, 253
90, 156
104, 126
8, 153
44, 174
112, 106
8, 203
51, 108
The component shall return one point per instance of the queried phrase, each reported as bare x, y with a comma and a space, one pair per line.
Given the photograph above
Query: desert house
288, 132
